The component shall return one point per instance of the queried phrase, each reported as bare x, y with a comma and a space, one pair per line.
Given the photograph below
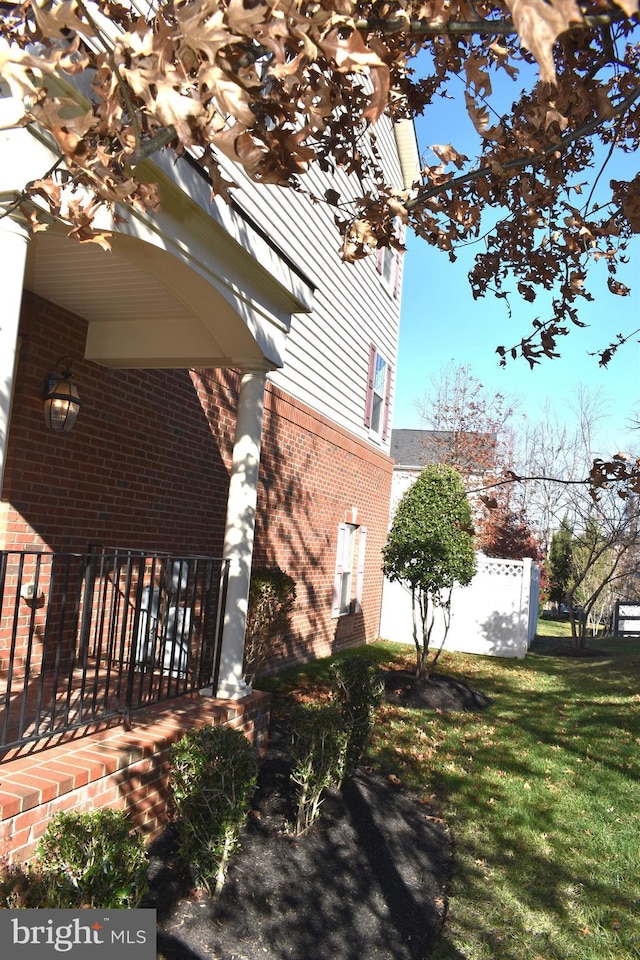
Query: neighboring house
236, 384
413, 450
496, 614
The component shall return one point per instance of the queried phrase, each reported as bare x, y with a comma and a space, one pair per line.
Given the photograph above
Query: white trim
378, 432
337, 577
240, 530
14, 240
362, 543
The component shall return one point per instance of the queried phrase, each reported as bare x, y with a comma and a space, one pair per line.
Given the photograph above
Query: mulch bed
404, 689
368, 882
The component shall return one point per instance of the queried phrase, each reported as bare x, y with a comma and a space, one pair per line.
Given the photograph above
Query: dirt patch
553, 648
368, 882
584, 654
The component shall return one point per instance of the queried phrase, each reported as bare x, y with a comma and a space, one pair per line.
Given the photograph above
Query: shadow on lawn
522, 843
370, 881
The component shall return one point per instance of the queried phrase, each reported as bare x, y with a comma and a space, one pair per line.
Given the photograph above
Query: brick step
113, 767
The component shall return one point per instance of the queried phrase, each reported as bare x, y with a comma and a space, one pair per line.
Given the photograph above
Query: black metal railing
88, 637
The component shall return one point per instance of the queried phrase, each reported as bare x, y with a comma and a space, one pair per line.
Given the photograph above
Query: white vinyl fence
626, 621
495, 615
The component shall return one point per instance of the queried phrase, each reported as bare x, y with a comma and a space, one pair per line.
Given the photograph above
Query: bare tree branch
502, 27
532, 160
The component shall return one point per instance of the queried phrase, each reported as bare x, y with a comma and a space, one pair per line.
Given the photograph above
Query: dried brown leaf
630, 7
350, 52
539, 24
477, 75
448, 154
480, 118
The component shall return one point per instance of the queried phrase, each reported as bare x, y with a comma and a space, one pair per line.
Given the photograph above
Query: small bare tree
477, 436
604, 541
558, 455
476, 424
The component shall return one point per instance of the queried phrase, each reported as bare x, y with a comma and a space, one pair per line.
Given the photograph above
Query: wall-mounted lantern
61, 398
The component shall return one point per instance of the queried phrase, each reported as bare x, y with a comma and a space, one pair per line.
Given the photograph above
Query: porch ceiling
144, 307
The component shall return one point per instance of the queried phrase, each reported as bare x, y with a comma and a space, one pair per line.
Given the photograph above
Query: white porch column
13, 254
240, 528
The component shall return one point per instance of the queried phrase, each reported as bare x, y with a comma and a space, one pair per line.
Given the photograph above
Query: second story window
378, 394
389, 262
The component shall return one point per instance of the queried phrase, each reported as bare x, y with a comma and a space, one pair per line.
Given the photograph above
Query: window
347, 588
376, 415
388, 266
389, 262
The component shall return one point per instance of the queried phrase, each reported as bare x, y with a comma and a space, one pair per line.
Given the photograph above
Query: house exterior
236, 387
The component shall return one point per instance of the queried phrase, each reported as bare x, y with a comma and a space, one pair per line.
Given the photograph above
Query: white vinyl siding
327, 351
326, 355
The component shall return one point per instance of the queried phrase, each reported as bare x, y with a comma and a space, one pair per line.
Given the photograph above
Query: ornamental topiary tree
430, 548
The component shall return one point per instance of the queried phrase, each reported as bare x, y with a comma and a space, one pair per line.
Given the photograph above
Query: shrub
91, 859
271, 596
22, 887
357, 690
319, 748
212, 778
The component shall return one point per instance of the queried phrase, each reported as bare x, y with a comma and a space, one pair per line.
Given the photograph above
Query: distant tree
606, 539
629, 585
596, 589
475, 423
504, 533
474, 433
560, 562
558, 451
430, 547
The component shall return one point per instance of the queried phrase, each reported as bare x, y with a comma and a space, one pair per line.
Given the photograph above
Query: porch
114, 767
88, 640
102, 659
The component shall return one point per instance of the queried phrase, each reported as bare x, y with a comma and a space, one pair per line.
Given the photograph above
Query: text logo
103, 934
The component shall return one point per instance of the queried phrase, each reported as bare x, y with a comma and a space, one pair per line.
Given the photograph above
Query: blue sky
441, 322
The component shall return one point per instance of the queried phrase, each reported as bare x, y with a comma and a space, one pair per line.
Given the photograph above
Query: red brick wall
312, 475
147, 467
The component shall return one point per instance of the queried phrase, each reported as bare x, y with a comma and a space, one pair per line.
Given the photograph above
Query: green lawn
541, 793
